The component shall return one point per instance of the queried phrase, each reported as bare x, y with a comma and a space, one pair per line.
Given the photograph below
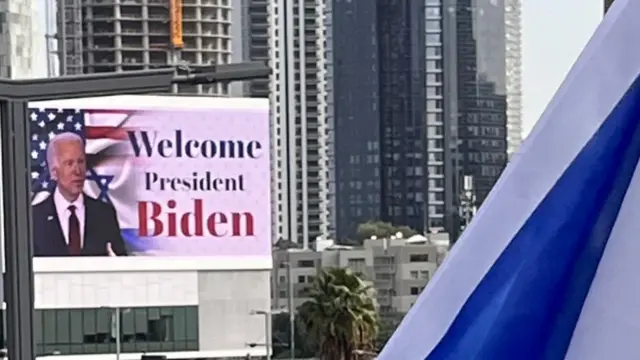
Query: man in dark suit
69, 222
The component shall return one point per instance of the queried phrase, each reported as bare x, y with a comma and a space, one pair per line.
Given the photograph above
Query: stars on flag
45, 125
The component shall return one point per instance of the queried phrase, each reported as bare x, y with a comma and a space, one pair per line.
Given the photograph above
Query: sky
554, 33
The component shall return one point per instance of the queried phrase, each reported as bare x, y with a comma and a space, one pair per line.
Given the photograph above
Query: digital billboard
150, 180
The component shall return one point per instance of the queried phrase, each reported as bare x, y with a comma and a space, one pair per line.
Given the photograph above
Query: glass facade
377, 108
482, 101
354, 111
93, 331
417, 102
403, 130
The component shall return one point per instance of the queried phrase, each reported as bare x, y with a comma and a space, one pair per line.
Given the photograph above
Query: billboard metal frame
15, 96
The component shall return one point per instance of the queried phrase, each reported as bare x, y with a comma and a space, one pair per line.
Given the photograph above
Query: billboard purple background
214, 152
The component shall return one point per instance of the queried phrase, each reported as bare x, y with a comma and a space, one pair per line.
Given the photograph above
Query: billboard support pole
14, 102
17, 228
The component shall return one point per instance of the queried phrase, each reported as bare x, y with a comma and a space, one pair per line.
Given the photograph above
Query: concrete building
111, 36
300, 138
185, 309
513, 18
287, 35
398, 269
22, 41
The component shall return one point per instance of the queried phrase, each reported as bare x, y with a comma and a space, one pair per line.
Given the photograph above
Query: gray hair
52, 156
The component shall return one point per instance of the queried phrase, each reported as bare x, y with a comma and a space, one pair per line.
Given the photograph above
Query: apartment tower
513, 32
299, 127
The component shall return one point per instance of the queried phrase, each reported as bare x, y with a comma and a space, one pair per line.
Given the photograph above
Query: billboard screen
150, 181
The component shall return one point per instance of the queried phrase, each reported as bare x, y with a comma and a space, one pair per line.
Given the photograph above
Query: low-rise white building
398, 268
183, 308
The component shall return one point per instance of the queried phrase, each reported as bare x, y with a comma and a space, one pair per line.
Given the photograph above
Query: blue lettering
253, 149
145, 144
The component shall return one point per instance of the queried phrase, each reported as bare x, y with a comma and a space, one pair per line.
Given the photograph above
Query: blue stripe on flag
527, 305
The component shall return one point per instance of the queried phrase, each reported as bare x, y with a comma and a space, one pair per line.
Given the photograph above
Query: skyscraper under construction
118, 35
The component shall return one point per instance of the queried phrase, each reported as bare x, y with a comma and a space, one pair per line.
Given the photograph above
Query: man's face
70, 169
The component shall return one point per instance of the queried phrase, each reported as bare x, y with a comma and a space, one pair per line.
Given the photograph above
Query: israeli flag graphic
548, 269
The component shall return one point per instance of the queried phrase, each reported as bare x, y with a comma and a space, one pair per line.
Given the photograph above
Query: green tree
381, 229
282, 337
387, 327
341, 316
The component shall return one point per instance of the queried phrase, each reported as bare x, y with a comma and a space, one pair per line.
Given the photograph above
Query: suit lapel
89, 218
54, 228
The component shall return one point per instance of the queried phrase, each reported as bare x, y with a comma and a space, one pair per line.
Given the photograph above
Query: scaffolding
96, 36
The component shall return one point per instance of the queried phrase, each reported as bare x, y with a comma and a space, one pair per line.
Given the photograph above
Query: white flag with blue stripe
548, 268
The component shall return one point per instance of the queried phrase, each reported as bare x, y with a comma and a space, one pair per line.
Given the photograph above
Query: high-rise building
299, 128
240, 32
112, 36
21, 40
481, 87
385, 95
416, 95
403, 138
513, 29
256, 41
442, 115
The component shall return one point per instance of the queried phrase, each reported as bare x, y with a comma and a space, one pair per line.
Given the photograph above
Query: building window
93, 331
306, 264
433, 38
433, 25
415, 290
419, 258
424, 275
433, 51
356, 263
434, 118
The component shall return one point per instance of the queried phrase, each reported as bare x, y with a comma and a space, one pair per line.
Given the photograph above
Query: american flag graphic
110, 176
47, 123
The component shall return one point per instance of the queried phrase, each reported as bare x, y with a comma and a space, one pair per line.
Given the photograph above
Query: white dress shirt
63, 212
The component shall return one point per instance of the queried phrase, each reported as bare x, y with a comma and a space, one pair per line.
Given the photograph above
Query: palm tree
341, 316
